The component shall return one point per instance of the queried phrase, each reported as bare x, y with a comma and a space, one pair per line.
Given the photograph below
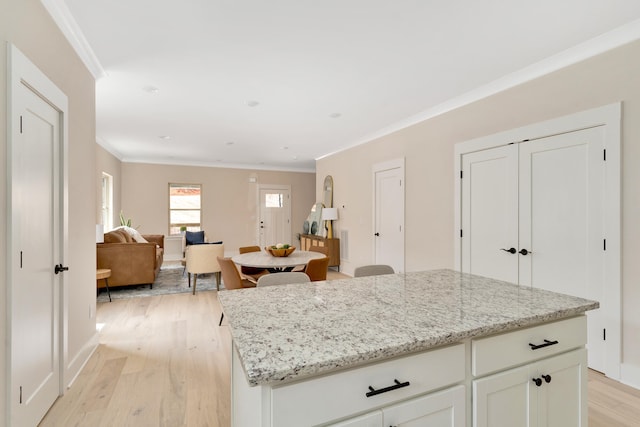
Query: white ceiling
379, 64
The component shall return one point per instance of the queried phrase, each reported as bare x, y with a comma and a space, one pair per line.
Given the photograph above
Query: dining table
275, 264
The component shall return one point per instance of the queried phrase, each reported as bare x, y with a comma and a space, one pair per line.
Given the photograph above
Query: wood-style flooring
163, 361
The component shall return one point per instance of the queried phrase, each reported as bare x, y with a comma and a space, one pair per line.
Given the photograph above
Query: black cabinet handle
547, 378
538, 381
547, 343
372, 391
525, 252
59, 268
510, 250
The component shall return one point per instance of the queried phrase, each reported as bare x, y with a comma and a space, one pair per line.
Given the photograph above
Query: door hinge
461, 232
20, 259
605, 244
604, 155
20, 124
604, 334
400, 183
20, 395
460, 174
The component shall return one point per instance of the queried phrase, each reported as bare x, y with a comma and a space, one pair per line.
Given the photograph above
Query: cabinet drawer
499, 352
334, 396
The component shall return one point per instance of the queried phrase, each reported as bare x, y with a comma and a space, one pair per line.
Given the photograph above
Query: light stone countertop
288, 332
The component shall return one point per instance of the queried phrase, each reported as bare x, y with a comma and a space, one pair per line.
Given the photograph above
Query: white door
561, 222
35, 249
490, 225
543, 198
389, 218
275, 215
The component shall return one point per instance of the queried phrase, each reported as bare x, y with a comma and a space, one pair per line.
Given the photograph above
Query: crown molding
610, 40
62, 17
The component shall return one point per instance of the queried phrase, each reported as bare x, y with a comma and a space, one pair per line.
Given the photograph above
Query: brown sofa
130, 262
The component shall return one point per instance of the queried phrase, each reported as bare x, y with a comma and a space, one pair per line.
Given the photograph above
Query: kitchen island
333, 353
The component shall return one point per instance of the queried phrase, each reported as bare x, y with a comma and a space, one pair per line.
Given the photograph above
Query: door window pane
273, 200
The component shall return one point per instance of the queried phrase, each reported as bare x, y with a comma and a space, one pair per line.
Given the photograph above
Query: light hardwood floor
163, 361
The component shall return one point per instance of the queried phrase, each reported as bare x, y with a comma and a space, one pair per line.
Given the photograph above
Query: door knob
510, 250
59, 268
376, 234
525, 252
547, 378
538, 381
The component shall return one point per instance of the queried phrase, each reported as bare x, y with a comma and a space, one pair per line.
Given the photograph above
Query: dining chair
252, 273
316, 269
200, 259
231, 278
283, 279
321, 249
372, 270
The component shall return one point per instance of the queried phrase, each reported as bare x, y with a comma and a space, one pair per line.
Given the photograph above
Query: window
107, 201
184, 207
273, 200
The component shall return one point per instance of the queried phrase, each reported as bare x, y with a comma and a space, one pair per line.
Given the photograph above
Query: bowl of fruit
280, 249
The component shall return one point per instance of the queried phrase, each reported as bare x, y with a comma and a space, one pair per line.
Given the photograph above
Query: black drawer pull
396, 386
547, 343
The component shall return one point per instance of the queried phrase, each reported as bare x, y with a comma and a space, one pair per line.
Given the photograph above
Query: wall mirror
328, 191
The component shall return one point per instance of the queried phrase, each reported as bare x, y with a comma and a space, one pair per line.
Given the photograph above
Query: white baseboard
74, 367
630, 375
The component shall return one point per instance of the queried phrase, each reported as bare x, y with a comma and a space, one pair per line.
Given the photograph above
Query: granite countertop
289, 332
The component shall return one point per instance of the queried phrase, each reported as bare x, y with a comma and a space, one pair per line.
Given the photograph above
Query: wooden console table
333, 245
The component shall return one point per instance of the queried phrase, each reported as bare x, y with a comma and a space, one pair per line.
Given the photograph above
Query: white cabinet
550, 392
442, 409
533, 377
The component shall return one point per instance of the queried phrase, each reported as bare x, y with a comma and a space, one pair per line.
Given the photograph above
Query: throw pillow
194, 237
133, 234
114, 237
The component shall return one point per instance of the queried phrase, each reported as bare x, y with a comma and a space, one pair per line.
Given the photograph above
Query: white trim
608, 116
630, 375
381, 167
67, 24
590, 48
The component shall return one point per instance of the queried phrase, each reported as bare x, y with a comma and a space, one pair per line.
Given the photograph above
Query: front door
35, 249
275, 215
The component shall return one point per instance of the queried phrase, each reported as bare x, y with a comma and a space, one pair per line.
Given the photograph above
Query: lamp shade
329, 214
99, 233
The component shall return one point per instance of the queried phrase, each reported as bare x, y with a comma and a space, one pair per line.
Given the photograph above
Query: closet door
490, 213
561, 191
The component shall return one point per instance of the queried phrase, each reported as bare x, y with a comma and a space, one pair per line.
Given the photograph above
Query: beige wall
428, 149
28, 26
229, 200
108, 163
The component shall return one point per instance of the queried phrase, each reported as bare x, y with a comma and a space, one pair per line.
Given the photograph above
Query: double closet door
532, 214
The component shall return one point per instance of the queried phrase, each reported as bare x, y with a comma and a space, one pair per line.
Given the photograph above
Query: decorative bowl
280, 252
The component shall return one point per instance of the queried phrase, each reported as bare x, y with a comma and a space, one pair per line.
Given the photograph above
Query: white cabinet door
548, 393
504, 400
562, 401
373, 419
442, 409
